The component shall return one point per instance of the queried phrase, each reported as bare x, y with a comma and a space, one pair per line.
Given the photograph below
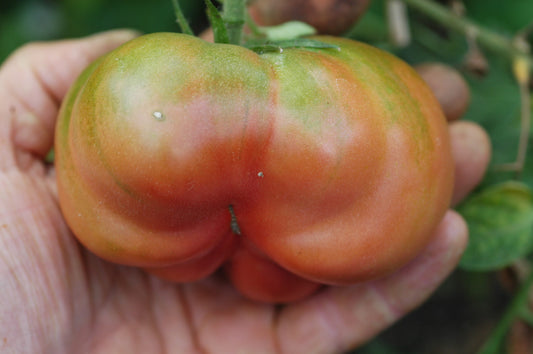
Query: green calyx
267, 46
228, 28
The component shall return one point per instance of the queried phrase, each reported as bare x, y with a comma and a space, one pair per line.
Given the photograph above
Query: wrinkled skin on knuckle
336, 164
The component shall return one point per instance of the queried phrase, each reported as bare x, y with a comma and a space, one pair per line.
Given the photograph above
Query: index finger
33, 81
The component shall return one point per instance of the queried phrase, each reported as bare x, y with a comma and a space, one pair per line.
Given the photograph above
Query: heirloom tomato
289, 169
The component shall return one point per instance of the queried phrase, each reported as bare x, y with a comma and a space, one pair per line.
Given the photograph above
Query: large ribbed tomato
292, 169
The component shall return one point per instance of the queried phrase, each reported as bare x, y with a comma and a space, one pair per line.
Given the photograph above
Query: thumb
34, 80
345, 317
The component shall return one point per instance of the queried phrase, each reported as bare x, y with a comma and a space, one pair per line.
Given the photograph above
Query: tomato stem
220, 32
234, 16
180, 19
493, 344
234, 224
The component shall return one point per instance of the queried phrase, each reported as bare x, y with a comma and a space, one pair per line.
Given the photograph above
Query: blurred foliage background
29, 20
464, 311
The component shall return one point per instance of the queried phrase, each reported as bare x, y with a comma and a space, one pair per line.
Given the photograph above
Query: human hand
57, 297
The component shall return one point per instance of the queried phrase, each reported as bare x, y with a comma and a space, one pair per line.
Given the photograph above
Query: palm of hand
87, 303
62, 292
57, 297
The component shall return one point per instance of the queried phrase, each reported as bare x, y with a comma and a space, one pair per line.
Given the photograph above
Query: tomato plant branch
220, 32
515, 309
489, 39
398, 23
180, 18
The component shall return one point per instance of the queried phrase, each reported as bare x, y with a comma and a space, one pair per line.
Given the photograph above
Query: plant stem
234, 15
398, 23
493, 344
485, 37
180, 18
234, 224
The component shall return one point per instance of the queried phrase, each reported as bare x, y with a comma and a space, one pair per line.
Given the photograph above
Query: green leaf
266, 46
287, 30
500, 221
217, 23
507, 17
180, 18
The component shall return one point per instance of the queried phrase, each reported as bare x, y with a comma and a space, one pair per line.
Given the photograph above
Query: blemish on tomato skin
158, 115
